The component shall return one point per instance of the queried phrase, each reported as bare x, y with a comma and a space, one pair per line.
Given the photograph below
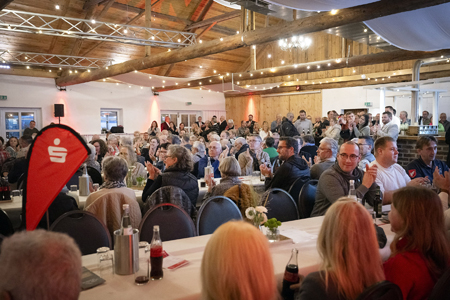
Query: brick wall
407, 151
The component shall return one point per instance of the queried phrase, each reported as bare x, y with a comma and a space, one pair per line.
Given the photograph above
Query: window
186, 117
15, 120
110, 118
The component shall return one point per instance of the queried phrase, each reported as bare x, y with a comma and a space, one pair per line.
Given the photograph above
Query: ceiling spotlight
365, 30
240, 75
251, 75
40, 31
228, 74
338, 60
164, 81
221, 39
354, 71
201, 67
262, 73
50, 71
269, 55
117, 83
334, 11
237, 32
26, 57
179, 41
135, 71
308, 67
176, 83
153, 87
389, 76
76, 71
70, 71
57, 6
378, 37
104, 79
254, 47
395, 73
382, 79
376, 79
189, 84
272, 70
150, 77
28, 67
282, 62
215, 71
130, 86
329, 64
306, 81
318, 67
153, 37
237, 82
106, 68
93, 21
210, 80
200, 41
61, 69
168, 50
363, 76
200, 83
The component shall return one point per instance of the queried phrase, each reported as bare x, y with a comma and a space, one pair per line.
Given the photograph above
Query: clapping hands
153, 171
370, 176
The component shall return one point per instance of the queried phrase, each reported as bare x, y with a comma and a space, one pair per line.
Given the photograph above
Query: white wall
82, 103
352, 98
349, 98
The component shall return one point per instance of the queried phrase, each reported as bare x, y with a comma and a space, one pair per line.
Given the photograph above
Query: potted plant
272, 232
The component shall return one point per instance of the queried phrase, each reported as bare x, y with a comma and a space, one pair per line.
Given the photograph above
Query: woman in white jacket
333, 131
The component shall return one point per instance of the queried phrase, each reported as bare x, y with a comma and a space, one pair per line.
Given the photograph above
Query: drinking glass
105, 261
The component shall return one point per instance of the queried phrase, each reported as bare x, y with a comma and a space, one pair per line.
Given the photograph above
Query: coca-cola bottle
156, 255
290, 277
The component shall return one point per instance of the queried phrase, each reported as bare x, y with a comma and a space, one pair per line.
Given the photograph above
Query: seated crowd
333, 150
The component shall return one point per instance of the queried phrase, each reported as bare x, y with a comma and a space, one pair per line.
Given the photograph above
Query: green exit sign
3, 97
368, 104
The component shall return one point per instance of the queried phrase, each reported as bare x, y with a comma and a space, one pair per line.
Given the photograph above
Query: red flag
54, 156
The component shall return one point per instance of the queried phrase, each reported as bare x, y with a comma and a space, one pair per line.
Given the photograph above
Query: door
186, 117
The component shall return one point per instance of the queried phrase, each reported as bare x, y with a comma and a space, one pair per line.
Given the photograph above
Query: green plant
272, 223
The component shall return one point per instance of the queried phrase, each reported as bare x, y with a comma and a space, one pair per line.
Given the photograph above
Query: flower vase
273, 234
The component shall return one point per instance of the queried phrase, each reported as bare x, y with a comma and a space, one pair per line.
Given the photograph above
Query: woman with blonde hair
348, 246
237, 265
420, 252
265, 130
334, 130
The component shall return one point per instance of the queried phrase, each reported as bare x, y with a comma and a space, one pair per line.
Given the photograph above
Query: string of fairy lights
283, 43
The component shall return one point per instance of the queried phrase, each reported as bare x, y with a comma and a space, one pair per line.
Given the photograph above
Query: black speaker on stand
59, 111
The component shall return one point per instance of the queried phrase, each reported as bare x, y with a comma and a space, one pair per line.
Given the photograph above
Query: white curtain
426, 29
319, 5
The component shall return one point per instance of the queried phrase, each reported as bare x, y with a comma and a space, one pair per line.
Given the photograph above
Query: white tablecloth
185, 282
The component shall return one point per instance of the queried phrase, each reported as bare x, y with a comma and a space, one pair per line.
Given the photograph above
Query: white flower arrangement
257, 215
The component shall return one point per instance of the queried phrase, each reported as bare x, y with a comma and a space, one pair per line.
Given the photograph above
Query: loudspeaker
59, 110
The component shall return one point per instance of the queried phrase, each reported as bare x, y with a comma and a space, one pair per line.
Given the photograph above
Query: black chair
307, 198
170, 194
214, 212
280, 205
173, 221
296, 187
383, 290
95, 175
1, 239
6, 226
85, 228
441, 289
20, 181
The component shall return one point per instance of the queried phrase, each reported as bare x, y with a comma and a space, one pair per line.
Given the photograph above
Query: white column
382, 100
435, 108
394, 104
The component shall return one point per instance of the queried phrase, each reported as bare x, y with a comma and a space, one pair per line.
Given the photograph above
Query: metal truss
20, 21
52, 60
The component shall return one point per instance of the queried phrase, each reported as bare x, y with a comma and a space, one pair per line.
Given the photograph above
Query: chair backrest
95, 175
174, 223
307, 198
383, 290
6, 226
280, 205
85, 228
170, 194
441, 289
296, 187
214, 212
273, 159
20, 181
1, 240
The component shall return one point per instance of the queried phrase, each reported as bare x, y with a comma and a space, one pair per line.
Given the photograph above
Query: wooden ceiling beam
25, 72
311, 67
343, 84
138, 10
318, 22
218, 19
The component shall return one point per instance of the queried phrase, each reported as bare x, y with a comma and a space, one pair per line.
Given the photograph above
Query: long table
14, 208
185, 283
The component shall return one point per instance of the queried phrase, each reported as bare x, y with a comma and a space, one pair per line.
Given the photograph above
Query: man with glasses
293, 167
365, 144
215, 149
251, 159
326, 157
334, 183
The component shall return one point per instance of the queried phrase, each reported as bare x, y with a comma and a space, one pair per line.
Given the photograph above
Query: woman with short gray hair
229, 170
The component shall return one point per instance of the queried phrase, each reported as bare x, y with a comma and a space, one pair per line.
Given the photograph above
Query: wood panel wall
324, 46
266, 108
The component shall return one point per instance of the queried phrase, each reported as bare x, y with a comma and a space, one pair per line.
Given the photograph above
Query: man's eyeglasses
353, 157
281, 147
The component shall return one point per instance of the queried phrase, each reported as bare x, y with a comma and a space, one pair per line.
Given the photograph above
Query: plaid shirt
3, 156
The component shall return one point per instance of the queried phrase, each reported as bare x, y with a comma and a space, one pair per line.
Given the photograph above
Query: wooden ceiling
122, 11
179, 15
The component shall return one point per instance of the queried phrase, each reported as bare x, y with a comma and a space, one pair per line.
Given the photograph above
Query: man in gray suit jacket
389, 127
